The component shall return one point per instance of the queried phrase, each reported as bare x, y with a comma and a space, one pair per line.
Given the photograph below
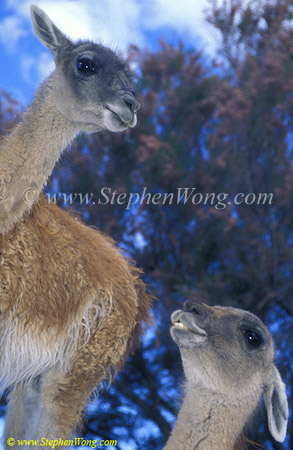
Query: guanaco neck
207, 421
29, 154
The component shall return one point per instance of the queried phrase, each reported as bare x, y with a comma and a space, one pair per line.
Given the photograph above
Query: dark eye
86, 66
252, 338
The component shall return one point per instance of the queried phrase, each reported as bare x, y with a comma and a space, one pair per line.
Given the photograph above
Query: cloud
11, 31
111, 22
188, 18
118, 23
45, 65
36, 68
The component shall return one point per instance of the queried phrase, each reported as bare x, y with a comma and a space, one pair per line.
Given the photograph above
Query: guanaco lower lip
118, 116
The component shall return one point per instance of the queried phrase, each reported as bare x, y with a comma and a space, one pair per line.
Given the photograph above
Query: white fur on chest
24, 356
28, 352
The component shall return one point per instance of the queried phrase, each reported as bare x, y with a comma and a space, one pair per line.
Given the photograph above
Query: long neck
29, 153
207, 421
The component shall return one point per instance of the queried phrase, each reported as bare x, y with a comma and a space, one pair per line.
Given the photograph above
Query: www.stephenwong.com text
180, 196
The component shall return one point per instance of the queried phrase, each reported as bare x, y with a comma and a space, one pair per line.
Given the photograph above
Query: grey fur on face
93, 85
227, 355
220, 337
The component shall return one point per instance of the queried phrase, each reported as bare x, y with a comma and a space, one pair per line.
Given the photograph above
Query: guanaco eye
252, 338
86, 66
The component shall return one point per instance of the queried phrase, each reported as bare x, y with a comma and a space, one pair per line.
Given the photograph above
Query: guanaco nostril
195, 308
128, 104
131, 103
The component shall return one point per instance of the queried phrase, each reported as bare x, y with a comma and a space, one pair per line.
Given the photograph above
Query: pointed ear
277, 406
46, 31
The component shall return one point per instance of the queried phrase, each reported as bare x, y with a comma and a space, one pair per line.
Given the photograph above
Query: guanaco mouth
181, 320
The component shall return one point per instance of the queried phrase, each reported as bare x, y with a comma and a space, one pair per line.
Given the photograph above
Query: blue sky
117, 23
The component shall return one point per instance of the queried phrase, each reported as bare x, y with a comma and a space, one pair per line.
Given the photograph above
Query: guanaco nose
196, 308
131, 102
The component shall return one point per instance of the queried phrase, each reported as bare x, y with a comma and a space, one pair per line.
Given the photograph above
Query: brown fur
50, 262
53, 267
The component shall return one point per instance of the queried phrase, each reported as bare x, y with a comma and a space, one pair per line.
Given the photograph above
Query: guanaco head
93, 85
230, 352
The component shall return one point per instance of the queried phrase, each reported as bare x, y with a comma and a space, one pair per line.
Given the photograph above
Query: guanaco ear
277, 406
46, 31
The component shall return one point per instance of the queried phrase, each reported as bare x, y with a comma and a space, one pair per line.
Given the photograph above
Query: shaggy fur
67, 281
72, 307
